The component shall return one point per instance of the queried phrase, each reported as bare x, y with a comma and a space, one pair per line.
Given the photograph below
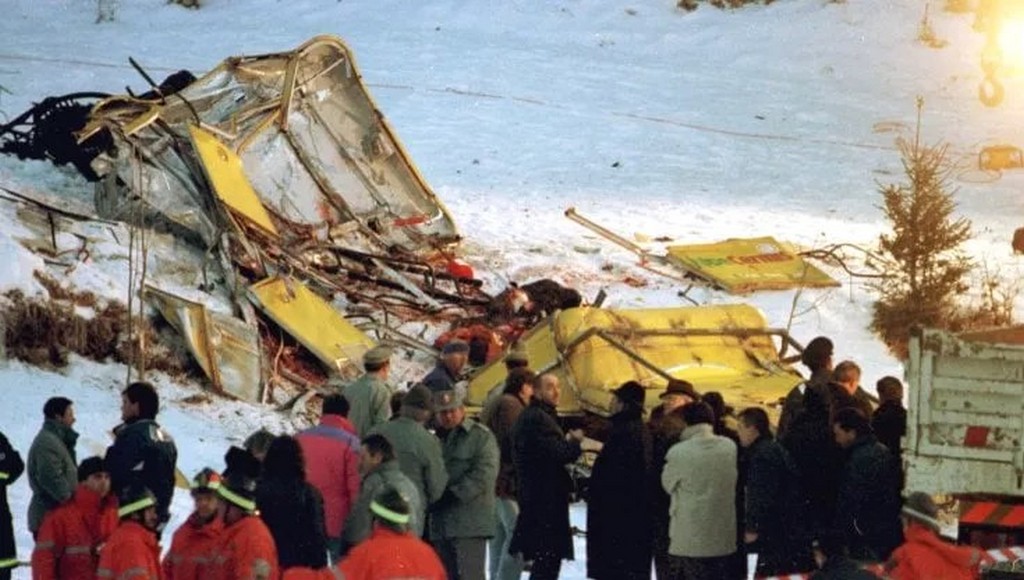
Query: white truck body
965, 416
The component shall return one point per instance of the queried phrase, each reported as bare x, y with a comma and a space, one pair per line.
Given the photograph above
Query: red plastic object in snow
460, 269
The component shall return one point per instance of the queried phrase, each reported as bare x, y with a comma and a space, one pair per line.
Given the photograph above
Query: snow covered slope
775, 120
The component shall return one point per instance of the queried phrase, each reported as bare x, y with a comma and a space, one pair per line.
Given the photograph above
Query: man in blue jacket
143, 453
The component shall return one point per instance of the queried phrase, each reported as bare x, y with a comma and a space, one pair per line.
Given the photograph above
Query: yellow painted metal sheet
690, 343
746, 265
226, 348
227, 177
312, 321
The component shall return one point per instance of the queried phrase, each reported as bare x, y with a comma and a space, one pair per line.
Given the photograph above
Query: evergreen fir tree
924, 245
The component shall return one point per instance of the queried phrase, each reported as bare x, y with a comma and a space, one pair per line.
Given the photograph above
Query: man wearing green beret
369, 397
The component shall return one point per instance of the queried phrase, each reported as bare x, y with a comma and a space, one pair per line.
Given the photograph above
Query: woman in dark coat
292, 508
618, 517
541, 452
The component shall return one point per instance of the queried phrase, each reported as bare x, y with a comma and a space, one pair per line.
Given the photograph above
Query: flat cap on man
455, 346
377, 355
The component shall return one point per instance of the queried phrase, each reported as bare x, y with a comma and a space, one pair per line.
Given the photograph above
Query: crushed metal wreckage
281, 169
317, 237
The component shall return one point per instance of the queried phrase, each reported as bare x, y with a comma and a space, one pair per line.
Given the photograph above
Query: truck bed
966, 412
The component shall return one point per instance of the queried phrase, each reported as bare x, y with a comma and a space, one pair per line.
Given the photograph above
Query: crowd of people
405, 484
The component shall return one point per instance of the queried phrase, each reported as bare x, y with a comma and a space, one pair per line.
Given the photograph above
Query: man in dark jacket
542, 451
463, 519
868, 504
773, 508
889, 421
516, 395
11, 467
52, 470
143, 453
817, 357
443, 377
618, 516
845, 391
818, 458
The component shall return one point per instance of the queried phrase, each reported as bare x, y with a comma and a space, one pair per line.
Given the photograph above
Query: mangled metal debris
321, 157
314, 323
728, 348
227, 348
283, 170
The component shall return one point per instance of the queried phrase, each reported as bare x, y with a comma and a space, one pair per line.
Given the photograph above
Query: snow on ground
775, 120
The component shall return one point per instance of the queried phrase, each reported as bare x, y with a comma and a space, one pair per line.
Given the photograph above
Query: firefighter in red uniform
132, 550
69, 540
391, 551
924, 554
246, 550
195, 543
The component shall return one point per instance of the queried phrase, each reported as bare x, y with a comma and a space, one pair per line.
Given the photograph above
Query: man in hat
392, 550
380, 470
817, 357
246, 549
369, 396
11, 467
418, 450
925, 554
618, 520
445, 374
132, 550
331, 451
463, 519
665, 426
195, 543
69, 540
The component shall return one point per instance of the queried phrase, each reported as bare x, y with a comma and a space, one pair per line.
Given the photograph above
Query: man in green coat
52, 470
418, 450
369, 397
463, 519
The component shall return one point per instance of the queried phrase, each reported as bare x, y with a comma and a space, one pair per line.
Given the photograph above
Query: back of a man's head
818, 354
889, 389
846, 372
336, 405
697, 413
144, 395
55, 407
379, 445
852, 419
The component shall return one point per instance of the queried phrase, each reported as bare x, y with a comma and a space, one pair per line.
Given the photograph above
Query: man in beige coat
700, 477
